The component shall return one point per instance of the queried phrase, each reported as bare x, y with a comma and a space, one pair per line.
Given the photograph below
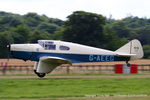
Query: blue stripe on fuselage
75, 58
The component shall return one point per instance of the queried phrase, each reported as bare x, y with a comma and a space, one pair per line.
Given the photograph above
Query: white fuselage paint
74, 48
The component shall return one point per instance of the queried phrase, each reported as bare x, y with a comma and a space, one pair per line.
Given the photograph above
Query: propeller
9, 46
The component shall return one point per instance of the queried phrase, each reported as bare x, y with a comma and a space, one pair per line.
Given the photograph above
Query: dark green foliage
112, 40
56, 21
8, 20
26, 28
47, 27
32, 20
37, 35
131, 28
121, 29
81, 27
144, 34
146, 51
58, 35
85, 28
20, 34
3, 45
89, 29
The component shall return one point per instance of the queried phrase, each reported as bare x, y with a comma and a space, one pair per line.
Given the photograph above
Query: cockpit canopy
47, 45
51, 45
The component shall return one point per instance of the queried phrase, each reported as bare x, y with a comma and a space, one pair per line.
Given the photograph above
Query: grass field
32, 89
80, 74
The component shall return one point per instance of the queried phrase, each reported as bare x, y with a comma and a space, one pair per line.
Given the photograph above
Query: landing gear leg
35, 72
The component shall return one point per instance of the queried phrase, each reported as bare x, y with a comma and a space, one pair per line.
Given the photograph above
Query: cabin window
47, 45
50, 47
64, 47
41, 43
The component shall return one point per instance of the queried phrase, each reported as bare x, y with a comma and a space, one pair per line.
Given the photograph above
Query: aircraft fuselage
73, 52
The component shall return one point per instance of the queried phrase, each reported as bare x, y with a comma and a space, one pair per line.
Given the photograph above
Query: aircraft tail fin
133, 49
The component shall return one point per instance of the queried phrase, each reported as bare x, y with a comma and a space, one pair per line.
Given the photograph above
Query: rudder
133, 47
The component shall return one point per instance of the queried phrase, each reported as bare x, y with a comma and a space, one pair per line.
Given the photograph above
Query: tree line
80, 27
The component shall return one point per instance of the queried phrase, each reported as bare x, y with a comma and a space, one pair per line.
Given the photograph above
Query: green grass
58, 88
97, 74
82, 74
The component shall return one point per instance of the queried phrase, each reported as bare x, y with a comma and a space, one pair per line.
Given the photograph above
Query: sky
62, 8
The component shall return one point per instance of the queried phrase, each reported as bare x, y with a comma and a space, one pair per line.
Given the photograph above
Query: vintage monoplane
48, 54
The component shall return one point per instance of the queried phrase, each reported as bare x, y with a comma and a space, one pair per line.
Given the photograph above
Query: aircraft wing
47, 64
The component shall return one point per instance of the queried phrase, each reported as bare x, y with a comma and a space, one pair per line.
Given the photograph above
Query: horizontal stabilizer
125, 54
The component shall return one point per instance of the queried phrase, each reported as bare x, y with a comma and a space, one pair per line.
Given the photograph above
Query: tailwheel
128, 64
41, 75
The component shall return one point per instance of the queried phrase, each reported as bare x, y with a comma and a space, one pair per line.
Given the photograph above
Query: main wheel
41, 75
